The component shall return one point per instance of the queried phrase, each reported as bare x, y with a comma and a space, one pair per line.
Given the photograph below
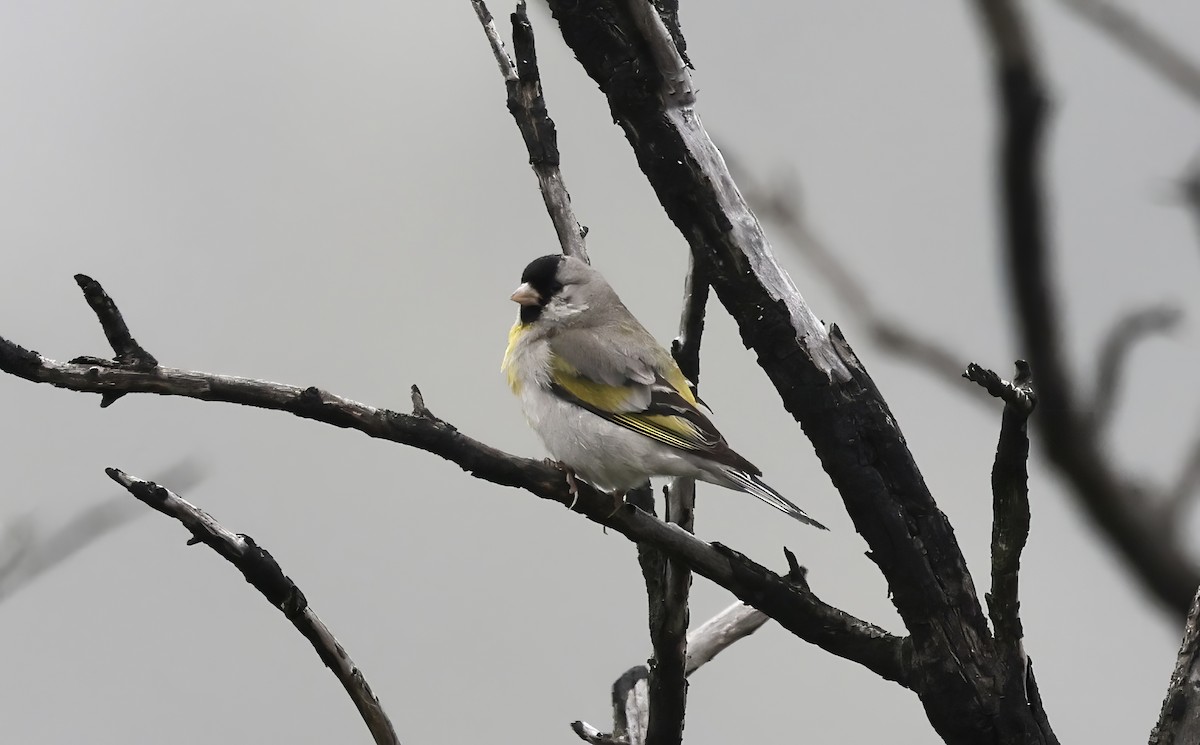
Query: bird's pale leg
573, 486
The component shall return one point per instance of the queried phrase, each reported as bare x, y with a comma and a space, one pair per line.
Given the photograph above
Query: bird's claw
618, 502
572, 486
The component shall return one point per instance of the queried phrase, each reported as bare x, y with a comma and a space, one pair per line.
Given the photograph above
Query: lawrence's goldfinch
607, 400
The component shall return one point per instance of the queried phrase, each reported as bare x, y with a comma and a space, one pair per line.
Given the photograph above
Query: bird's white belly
606, 455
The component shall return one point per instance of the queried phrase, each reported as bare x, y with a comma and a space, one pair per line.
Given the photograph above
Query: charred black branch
528, 108
1069, 441
265, 575
799, 611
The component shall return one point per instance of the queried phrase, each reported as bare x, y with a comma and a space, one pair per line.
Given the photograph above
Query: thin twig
654, 711
668, 597
686, 347
1069, 441
1010, 499
418, 404
528, 108
128, 351
1145, 44
1010, 531
720, 632
28, 549
124, 345
1017, 393
631, 690
704, 643
783, 205
1114, 354
588, 733
795, 609
508, 68
262, 571
631, 710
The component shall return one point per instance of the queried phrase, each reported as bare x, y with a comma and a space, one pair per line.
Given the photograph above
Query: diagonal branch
704, 643
590, 734
129, 352
262, 571
1070, 443
669, 604
720, 632
649, 704
27, 550
820, 380
796, 609
784, 207
115, 329
528, 108
1143, 42
1179, 719
1114, 354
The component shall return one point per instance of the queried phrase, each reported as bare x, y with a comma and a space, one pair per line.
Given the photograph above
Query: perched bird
607, 400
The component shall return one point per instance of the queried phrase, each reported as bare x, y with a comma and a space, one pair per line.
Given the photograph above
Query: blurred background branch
30, 547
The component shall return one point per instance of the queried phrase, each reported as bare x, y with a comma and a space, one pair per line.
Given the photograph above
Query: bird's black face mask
542, 276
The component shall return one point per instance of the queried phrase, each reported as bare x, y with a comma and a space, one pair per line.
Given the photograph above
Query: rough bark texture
1179, 721
265, 574
848, 422
796, 609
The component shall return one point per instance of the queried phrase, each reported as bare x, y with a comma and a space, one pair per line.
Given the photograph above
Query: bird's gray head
556, 290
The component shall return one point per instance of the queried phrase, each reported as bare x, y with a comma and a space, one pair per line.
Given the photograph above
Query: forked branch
264, 574
796, 609
527, 105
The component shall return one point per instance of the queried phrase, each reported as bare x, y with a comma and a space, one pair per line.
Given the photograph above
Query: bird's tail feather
754, 486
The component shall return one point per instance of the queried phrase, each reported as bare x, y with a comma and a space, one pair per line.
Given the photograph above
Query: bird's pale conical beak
526, 295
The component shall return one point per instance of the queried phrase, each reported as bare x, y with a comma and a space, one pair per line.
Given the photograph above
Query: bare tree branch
817, 375
528, 108
797, 610
129, 352
1070, 443
685, 348
704, 643
654, 713
1010, 499
669, 606
720, 632
262, 571
28, 549
1114, 354
588, 733
631, 707
1144, 43
1179, 720
1010, 531
783, 205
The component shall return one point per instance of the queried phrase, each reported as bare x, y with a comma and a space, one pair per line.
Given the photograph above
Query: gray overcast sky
333, 194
